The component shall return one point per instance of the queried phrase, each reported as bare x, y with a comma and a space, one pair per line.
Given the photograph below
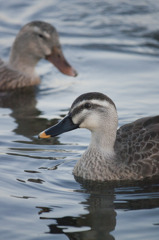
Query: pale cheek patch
46, 35
79, 117
75, 119
47, 51
91, 122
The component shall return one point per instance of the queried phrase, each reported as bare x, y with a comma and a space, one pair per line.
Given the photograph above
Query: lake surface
114, 46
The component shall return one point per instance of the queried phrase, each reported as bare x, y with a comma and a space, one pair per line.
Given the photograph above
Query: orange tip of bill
44, 135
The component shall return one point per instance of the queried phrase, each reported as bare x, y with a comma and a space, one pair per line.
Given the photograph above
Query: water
115, 47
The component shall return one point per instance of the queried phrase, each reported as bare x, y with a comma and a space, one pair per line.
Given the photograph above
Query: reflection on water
25, 113
102, 205
114, 46
98, 223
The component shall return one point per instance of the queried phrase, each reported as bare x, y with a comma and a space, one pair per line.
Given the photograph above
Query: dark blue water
115, 48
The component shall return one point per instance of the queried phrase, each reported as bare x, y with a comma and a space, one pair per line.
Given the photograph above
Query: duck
130, 152
35, 41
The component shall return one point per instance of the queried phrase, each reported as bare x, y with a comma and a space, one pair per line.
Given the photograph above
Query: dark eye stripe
79, 109
88, 105
41, 36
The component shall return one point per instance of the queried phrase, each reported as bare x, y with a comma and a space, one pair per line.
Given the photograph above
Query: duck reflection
100, 221
97, 223
101, 204
26, 115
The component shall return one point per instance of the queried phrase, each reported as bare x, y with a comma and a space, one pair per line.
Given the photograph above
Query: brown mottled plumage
36, 40
129, 153
11, 78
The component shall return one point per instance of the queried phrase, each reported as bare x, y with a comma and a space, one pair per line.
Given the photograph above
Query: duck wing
137, 144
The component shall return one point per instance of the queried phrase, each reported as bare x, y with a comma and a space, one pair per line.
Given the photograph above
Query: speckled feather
137, 144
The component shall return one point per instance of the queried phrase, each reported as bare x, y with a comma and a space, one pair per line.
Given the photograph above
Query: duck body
11, 78
135, 157
129, 153
36, 40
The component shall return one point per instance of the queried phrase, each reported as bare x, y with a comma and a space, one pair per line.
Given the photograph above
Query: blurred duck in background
36, 40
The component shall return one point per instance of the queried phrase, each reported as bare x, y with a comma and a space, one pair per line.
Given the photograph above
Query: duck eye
41, 36
88, 105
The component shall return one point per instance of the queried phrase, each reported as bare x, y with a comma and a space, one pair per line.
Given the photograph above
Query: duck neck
22, 61
103, 139
103, 143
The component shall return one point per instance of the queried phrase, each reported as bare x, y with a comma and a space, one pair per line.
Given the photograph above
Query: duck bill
65, 125
57, 58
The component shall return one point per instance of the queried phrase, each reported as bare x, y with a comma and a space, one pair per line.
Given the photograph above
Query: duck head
93, 111
38, 40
